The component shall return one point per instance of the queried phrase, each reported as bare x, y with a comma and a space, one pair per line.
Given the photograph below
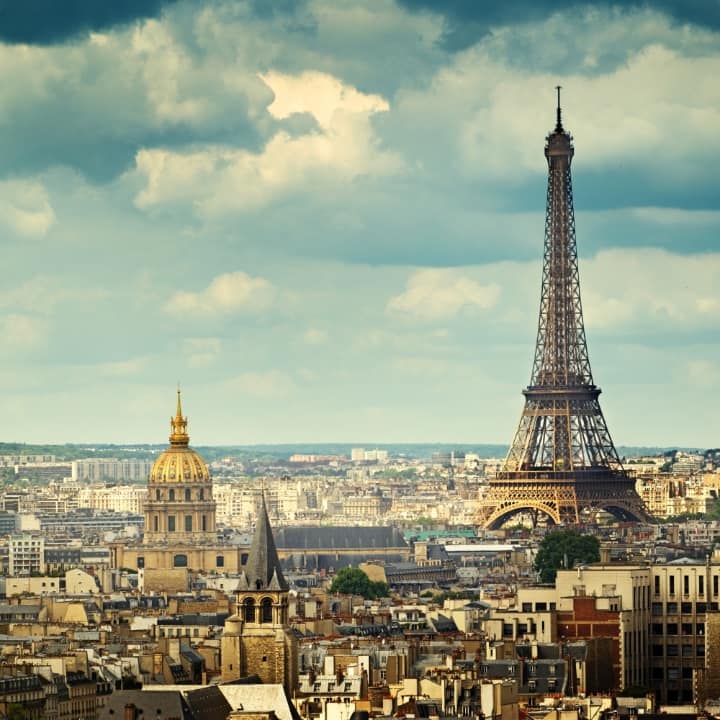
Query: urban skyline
326, 220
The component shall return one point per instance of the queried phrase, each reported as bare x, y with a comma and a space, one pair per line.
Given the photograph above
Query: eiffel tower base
563, 503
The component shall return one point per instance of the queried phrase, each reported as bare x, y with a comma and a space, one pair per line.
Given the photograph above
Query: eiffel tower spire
562, 459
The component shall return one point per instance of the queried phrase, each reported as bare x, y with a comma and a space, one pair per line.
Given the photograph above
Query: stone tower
257, 639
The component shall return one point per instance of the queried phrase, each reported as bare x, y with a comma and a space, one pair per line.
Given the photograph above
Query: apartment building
26, 555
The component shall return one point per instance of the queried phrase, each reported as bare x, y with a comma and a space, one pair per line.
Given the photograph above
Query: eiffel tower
562, 460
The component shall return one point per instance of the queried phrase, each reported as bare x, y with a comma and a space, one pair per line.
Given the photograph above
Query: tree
352, 581
563, 548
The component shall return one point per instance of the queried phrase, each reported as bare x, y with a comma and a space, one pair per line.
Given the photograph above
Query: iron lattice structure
562, 460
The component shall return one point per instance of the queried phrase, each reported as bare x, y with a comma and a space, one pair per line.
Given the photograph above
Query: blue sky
325, 218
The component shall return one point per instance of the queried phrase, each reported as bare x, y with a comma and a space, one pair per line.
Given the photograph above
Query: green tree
352, 581
563, 548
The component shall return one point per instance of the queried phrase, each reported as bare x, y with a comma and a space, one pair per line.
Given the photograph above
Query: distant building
26, 554
103, 469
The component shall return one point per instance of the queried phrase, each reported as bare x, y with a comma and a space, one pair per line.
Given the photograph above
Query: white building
26, 554
97, 469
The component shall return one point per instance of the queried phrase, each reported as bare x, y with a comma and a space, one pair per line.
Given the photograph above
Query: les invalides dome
180, 506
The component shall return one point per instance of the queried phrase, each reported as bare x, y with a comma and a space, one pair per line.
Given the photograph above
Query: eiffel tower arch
562, 462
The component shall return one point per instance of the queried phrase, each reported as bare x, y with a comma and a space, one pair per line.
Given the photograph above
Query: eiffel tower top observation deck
562, 460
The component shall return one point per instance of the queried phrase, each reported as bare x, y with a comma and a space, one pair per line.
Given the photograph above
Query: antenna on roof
558, 127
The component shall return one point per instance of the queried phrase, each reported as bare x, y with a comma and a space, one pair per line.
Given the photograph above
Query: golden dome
179, 463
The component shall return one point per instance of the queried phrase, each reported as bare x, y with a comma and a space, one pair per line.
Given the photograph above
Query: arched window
180, 561
266, 610
187, 494
172, 495
249, 610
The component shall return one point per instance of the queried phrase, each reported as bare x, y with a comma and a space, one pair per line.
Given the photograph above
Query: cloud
122, 368
42, 294
223, 179
25, 208
43, 22
21, 333
226, 294
442, 294
201, 352
646, 290
268, 384
467, 22
315, 336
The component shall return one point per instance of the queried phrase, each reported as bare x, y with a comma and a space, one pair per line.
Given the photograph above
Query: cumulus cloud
25, 208
224, 179
439, 294
491, 114
648, 289
226, 294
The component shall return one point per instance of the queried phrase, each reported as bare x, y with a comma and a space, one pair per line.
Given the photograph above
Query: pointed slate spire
262, 570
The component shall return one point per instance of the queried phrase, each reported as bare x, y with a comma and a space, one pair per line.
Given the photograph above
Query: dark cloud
469, 20
45, 22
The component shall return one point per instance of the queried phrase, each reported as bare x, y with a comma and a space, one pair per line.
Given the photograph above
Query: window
180, 561
687, 629
156, 523
686, 584
657, 629
172, 496
527, 607
701, 585
220, 561
202, 494
657, 608
249, 610
672, 584
715, 585
140, 562
657, 584
171, 523
266, 610
673, 651
657, 650
188, 523
686, 608
187, 494
700, 628
687, 650
204, 523
672, 629
672, 608
157, 494
701, 608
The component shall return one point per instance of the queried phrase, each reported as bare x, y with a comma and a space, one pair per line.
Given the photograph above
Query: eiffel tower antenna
562, 460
